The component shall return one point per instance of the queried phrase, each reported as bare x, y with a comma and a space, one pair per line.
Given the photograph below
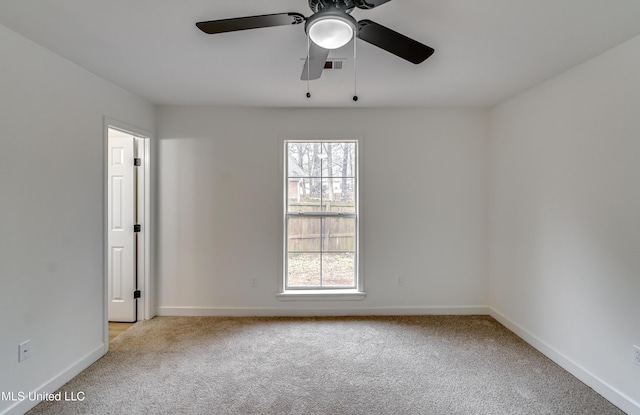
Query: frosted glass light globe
330, 33
331, 28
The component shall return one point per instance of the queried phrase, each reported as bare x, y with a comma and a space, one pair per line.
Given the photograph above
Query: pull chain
308, 67
355, 73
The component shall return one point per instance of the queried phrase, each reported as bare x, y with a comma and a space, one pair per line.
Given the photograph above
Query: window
321, 216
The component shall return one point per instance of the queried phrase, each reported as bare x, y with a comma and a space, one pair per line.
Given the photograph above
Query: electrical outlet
252, 282
24, 350
399, 281
636, 355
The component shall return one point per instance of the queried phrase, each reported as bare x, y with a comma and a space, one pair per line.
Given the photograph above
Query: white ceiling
486, 50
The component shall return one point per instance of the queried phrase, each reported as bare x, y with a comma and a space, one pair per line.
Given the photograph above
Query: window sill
321, 295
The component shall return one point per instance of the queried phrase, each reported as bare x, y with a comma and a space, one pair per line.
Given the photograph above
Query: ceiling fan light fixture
331, 28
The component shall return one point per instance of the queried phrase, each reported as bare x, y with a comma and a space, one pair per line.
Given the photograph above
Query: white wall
424, 199
51, 213
565, 219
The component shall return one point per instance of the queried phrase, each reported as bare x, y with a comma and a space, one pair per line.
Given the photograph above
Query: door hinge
137, 162
136, 294
137, 228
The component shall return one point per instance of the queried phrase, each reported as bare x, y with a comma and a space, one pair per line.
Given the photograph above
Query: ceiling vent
333, 65
337, 63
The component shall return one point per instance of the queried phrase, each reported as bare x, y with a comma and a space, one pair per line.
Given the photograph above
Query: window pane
303, 234
303, 270
304, 159
339, 160
338, 234
338, 195
338, 270
298, 159
304, 195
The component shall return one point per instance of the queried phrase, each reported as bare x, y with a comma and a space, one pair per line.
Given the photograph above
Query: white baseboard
58, 381
316, 311
619, 399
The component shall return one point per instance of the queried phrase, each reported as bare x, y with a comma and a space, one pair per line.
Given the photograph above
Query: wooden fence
312, 234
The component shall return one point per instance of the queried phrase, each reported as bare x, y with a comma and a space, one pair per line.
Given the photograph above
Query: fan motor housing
344, 5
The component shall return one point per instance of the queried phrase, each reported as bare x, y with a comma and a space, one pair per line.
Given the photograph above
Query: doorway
127, 257
116, 329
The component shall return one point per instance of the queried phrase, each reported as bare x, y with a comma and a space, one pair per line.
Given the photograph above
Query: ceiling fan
329, 27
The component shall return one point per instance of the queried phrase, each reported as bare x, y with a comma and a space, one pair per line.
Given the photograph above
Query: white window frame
328, 293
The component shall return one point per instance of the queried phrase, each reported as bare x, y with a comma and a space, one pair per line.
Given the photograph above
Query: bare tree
346, 152
328, 148
302, 152
316, 170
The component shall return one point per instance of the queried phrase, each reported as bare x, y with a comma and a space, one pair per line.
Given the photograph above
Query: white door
121, 241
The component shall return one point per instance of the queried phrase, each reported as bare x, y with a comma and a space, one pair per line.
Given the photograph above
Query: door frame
144, 306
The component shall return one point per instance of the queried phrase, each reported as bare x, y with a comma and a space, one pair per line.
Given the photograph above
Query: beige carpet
360, 365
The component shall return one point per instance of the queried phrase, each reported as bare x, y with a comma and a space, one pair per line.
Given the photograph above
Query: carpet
325, 365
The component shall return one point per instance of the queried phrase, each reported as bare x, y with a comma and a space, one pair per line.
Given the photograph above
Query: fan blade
251, 22
370, 4
393, 42
314, 64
